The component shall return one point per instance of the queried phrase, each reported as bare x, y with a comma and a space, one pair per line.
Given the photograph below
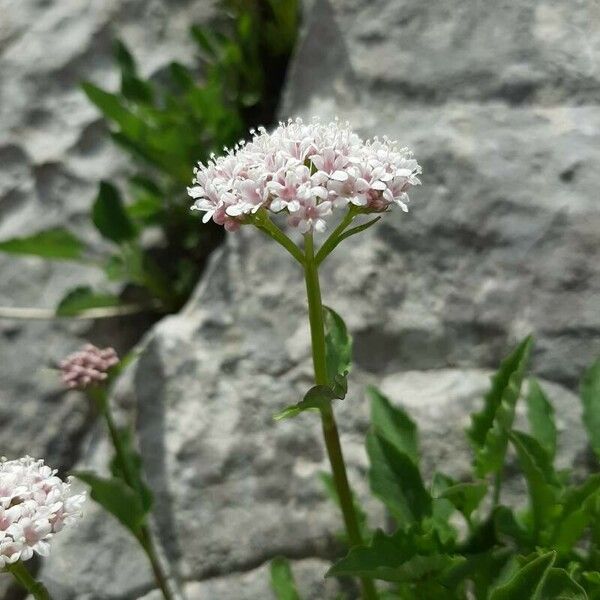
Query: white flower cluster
305, 170
34, 505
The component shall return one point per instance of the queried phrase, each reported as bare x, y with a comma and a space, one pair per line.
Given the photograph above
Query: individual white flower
306, 170
34, 505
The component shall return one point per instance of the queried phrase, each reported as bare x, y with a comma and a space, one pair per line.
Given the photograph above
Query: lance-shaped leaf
560, 585
83, 298
394, 424
402, 557
132, 472
577, 513
490, 427
527, 582
318, 397
466, 497
117, 498
397, 482
540, 415
542, 481
110, 217
282, 580
56, 243
338, 345
590, 397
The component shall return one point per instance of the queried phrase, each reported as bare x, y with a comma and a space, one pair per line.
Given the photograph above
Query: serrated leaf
110, 217
83, 298
394, 424
465, 497
527, 582
577, 513
540, 415
317, 397
560, 585
338, 345
489, 429
542, 482
132, 472
282, 580
590, 397
402, 557
56, 243
396, 481
117, 498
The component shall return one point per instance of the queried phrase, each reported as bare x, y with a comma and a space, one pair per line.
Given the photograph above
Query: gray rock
53, 151
308, 574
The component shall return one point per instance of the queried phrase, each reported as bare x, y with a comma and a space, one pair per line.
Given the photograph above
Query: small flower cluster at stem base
306, 171
89, 366
35, 504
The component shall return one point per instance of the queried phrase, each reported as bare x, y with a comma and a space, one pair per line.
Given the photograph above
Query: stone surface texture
499, 102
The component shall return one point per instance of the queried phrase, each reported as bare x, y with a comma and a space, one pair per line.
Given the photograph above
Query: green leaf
402, 557
527, 582
396, 481
489, 429
338, 344
318, 397
542, 482
117, 498
590, 397
540, 415
577, 513
55, 243
282, 580
83, 298
394, 424
134, 477
560, 585
466, 497
110, 217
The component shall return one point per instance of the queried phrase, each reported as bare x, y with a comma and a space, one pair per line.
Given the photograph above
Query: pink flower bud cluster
306, 171
34, 505
88, 366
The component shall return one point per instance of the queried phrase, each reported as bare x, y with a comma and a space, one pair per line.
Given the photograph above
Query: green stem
262, 221
334, 239
145, 535
330, 431
25, 579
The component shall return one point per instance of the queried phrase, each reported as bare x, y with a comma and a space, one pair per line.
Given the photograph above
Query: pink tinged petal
339, 176
293, 206
378, 185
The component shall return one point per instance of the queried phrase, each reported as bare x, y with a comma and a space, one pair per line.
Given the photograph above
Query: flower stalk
144, 536
27, 581
330, 430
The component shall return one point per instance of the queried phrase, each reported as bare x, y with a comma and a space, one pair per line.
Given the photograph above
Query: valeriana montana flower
306, 171
88, 366
34, 505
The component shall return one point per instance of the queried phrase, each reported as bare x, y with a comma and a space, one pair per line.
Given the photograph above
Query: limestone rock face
499, 103
53, 151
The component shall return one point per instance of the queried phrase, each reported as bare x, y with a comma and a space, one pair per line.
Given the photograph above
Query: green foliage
547, 550
590, 397
489, 428
55, 243
117, 498
317, 398
338, 345
282, 580
167, 125
540, 415
84, 298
